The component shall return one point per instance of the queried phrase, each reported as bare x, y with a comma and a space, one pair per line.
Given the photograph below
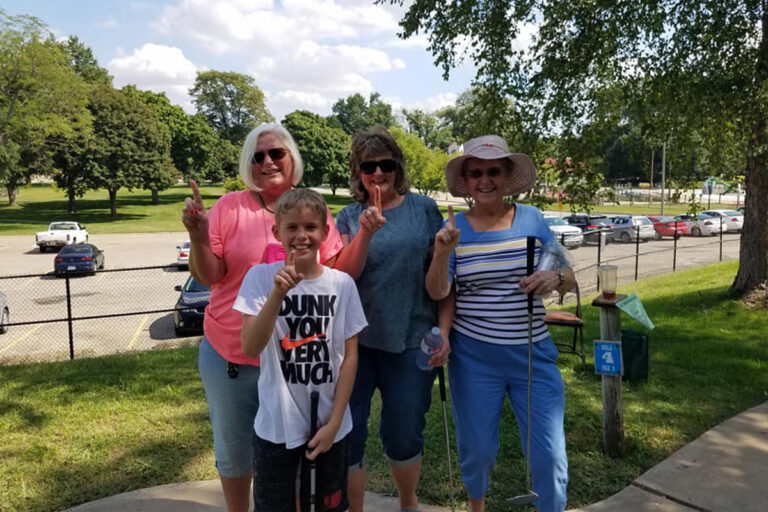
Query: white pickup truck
60, 234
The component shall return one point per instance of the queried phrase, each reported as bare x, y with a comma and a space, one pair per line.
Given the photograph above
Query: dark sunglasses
476, 174
369, 166
274, 154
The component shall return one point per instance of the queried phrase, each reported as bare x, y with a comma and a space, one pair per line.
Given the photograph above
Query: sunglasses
274, 153
369, 166
476, 174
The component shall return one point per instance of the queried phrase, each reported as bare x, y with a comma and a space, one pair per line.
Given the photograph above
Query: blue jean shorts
406, 393
232, 405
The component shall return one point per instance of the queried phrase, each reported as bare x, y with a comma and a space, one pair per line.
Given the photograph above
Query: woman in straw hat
479, 264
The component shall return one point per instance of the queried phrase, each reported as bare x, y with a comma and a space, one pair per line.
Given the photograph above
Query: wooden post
613, 409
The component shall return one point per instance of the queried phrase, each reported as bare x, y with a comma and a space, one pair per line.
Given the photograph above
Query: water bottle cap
436, 330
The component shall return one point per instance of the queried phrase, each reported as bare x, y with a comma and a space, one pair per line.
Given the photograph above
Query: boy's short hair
300, 198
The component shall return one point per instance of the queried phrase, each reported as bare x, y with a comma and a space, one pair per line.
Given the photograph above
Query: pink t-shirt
240, 231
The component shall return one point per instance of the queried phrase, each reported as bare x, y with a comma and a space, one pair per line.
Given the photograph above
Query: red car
665, 226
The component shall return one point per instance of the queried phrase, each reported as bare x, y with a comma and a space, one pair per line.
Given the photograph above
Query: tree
433, 129
128, 148
354, 114
40, 97
324, 148
425, 170
83, 62
231, 102
702, 62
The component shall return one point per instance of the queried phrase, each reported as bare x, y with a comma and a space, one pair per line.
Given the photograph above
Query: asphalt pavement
724, 470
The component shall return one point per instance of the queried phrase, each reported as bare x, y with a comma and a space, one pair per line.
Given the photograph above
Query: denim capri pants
482, 375
406, 393
232, 405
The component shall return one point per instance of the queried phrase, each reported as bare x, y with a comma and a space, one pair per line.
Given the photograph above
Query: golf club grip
529, 253
441, 379
314, 400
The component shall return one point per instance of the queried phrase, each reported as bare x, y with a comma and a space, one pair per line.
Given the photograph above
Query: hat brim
522, 179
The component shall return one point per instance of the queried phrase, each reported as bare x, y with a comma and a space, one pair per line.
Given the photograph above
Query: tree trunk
753, 252
113, 203
155, 197
12, 190
71, 207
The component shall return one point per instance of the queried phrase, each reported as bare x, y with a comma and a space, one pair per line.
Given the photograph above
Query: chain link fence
132, 309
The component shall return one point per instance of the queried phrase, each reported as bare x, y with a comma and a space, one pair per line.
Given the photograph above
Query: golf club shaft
531, 247
314, 398
441, 380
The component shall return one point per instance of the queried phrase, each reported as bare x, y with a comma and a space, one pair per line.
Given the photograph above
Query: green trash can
634, 355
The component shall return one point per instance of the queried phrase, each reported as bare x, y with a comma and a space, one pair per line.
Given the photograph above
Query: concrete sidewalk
724, 470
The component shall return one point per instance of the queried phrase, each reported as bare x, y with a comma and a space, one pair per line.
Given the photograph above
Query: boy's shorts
274, 477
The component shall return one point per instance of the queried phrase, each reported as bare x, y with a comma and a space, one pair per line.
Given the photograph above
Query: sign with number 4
608, 358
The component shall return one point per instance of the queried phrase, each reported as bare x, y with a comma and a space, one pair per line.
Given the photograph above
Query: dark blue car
189, 312
78, 259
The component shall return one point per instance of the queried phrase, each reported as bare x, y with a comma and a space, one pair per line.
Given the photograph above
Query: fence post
722, 225
637, 251
600, 241
69, 320
674, 249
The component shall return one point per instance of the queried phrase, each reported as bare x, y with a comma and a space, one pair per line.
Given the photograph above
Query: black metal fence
131, 309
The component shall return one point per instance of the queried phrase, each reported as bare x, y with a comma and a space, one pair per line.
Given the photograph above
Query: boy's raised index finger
291, 259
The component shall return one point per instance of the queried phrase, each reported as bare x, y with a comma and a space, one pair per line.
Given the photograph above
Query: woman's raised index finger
377, 198
451, 218
195, 191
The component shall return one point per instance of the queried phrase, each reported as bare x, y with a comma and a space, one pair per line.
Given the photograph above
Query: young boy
302, 319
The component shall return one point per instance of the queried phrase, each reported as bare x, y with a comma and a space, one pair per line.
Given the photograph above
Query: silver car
627, 227
734, 220
570, 236
702, 224
4, 314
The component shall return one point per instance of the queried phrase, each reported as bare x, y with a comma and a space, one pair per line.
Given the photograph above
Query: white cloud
110, 22
429, 104
157, 68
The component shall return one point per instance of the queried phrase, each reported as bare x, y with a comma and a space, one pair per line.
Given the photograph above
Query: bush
232, 184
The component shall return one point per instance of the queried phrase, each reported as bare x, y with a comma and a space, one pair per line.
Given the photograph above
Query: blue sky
305, 54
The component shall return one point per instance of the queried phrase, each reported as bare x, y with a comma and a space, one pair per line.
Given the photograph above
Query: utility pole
663, 167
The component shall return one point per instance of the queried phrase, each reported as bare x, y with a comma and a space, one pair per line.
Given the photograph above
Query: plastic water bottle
430, 343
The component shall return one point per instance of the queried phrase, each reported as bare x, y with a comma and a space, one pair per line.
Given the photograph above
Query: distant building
455, 148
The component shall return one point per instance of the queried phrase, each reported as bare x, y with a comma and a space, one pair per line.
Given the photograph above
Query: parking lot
116, 291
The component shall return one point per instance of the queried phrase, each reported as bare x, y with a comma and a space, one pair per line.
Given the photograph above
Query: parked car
5, 314
627, 227
60, 234
591, 225
702, 224
741, 209
182, 258
189, 311
570, 236
78, 259
667, 226
734, 220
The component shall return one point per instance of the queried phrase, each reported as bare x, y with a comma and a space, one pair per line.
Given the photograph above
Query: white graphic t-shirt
305, 351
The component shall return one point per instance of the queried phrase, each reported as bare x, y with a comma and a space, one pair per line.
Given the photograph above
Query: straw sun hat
491, 147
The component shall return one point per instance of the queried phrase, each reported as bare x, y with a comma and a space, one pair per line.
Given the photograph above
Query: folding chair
574, 321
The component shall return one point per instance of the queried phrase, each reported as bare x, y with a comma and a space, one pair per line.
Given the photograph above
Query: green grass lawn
39, 205
81, 430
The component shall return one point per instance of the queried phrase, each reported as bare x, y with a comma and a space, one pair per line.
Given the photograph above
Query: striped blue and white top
488, 267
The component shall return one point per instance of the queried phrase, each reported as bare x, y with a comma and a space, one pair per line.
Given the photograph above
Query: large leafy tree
231, 102
354, 113
128, 148
432, 128
425, 167
702, 62
324, 148
40, 97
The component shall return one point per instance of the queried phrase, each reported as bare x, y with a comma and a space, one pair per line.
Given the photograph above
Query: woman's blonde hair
249, 147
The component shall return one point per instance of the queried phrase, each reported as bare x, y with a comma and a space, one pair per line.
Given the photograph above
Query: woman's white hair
249, 147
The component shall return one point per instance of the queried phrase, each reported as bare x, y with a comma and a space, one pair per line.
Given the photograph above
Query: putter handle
314, 400
529, 253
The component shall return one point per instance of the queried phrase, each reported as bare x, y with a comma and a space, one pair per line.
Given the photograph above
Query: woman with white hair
227, 241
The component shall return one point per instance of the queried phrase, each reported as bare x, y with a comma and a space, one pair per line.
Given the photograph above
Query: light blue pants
232, 404
481, 376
